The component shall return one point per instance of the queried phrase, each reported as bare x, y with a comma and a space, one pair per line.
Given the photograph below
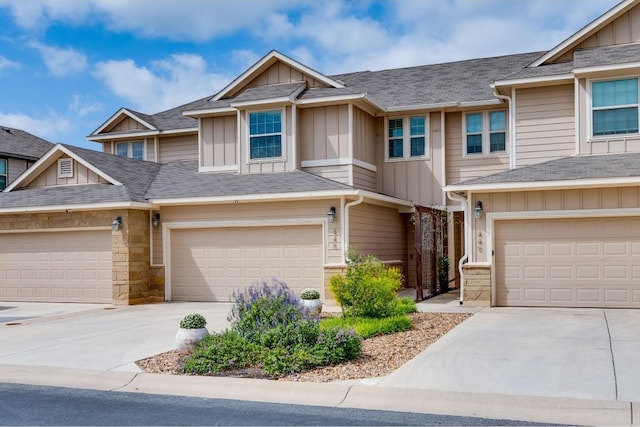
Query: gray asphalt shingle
20, 144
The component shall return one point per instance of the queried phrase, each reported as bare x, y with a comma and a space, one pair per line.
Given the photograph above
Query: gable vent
65, 168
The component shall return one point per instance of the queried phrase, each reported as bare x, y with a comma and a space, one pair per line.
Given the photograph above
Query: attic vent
65, 168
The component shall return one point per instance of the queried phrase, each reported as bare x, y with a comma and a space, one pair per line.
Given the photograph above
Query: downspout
467, 237
345, 224
512, 127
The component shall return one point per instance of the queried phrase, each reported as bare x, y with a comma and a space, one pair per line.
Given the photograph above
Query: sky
66, 66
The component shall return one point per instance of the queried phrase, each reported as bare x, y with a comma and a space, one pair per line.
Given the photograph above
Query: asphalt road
37, 405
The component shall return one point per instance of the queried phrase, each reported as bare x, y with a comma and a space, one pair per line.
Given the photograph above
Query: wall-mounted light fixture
115, 225
155, 220
331, 215
478, 209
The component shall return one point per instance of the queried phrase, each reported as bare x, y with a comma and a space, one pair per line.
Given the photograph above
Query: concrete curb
527, 408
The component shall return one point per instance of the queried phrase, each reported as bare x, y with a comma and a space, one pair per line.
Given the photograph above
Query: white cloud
61, 62
49, 127
82, 107
6, 63
36, 15
163, 84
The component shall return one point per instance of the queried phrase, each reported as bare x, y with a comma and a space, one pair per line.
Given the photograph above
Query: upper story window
3, 174
614, 105
406, 137
485, 132
134, 150
265, 134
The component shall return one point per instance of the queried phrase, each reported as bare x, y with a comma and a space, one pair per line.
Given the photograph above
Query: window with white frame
485, 132
406, 137
134, 149
265, 134
614, 107
3, 173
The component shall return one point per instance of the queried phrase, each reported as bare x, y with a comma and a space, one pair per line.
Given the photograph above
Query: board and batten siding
545, 124
460, 167
219, 141
262, 212
324, 132
183, 147
127, 124
555, 200
418, 180
380, 231
81, 175
367, 131
280, 73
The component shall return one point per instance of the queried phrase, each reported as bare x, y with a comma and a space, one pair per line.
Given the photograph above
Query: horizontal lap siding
545, 124
15, 167
178, 148
339, 173
379, 231
364, 178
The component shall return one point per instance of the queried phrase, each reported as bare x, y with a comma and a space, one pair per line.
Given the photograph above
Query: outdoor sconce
478, 209
155, 220
115, 225
331, 215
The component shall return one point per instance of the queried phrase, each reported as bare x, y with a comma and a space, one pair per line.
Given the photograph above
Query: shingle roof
64, 196
181, 179
20, 144
568, 168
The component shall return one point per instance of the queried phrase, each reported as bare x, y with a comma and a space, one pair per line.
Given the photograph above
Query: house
18, 151
519, 169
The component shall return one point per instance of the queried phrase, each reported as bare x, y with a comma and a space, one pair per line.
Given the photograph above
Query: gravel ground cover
380, 356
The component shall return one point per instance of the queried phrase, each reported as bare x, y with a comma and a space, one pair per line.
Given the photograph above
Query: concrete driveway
575, 353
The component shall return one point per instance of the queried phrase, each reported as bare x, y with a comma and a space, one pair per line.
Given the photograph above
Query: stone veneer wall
477, 283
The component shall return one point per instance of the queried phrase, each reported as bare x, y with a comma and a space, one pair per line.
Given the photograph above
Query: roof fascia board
436, 106
261, 102
267, 60
533, 80
48, 159
84, 207
546, 185
210, 112
584, 32
255, 198
119, 114
109, 137
604, 68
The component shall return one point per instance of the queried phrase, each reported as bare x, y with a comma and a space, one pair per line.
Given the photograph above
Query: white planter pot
186, 339
312, 306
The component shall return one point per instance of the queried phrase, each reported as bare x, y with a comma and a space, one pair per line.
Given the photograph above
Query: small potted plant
192, 330
311, 302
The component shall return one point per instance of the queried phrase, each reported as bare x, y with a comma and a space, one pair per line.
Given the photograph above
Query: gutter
345, 224
467, 237
512, 126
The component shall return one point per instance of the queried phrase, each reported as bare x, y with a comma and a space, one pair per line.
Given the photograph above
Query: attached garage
208, 264
578, 262
65, 266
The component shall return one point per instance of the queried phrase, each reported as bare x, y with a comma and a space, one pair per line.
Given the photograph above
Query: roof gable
276, 68
585, 36
125, 120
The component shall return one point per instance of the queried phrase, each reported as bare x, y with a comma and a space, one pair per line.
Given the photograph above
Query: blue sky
67, 65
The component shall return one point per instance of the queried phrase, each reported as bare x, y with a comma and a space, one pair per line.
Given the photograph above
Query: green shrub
220, 352
337, 344
193, 321
368, 289
368, 327
309, 293
405, 305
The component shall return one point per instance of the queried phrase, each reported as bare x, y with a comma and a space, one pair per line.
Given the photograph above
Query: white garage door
209, 264
70, 266
568, 263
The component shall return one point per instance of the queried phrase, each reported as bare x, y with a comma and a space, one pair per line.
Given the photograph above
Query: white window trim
6, 172
486, 134
283, 136
589, 109
406, 139
130, 148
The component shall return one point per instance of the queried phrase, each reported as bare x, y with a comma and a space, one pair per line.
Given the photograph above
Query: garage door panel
237, 257
568, 263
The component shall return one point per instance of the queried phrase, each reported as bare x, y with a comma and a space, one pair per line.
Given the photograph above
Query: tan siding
15, 167
282, 73
259, 211
625, 29
81, 175
461, 168
364, 178
545, 124
338, 173
268, 166
324, 132
184, 147
150, 149
365, 129
379, 231
219, 141
127, 124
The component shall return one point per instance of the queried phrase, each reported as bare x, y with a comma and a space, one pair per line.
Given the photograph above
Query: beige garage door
70, 266
209, 264
568, 263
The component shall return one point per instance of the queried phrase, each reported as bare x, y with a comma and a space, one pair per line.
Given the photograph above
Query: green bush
367, 327
220, 352
193, 321
368, 289
337, 344
405, 305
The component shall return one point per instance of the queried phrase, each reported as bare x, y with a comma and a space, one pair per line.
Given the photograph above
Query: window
485, 132
614, 105
134, 149
265, 135
3, 174
406, 137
